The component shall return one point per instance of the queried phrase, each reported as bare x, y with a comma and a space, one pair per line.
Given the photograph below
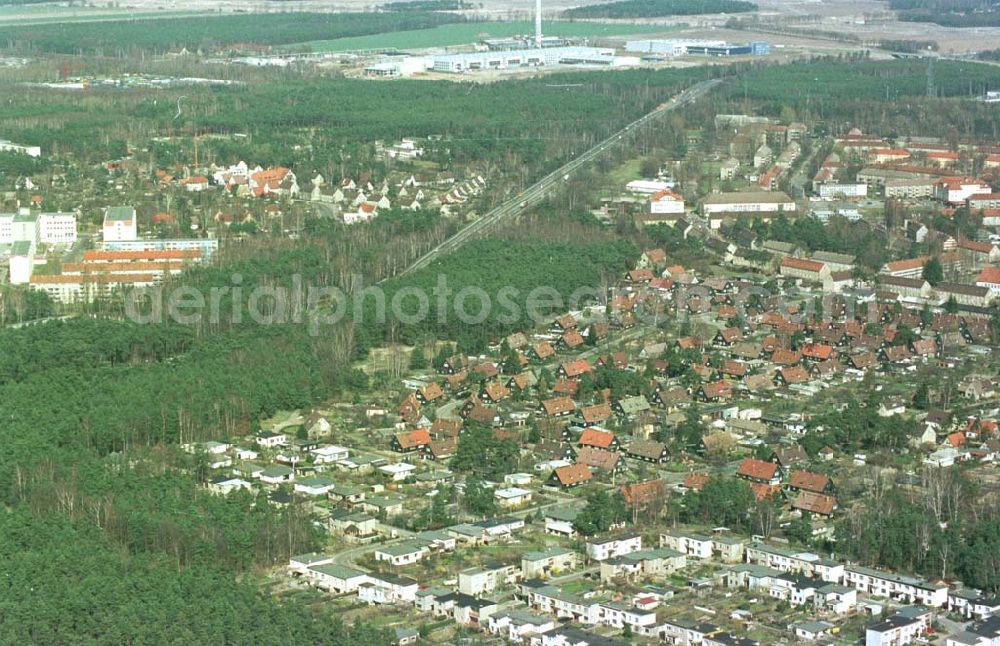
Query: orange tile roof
413, 439
576, 368
757, 469
166, 254
112, 267
794, 375
817, 351
558, 405
815, 503
763, 491
816, 482
666, 195
989, 275
598, 458
978, 247
596, 413
596, 437
802, 264
91, 278
643, 492
695, 481
907, 264
572, 474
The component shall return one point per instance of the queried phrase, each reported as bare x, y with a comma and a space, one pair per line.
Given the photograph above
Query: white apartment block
387, 588
57, 228
476, 581
804, 563
6, 228
120, 224
832, 191
599, 550
694, 545
896, 586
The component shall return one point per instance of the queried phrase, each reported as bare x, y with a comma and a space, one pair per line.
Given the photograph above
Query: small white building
398, 472
512, 496
601, 549
270, 440
401, 554
334, 578
387, 588
329, 454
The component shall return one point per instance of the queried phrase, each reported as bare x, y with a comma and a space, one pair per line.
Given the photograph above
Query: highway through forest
537, 192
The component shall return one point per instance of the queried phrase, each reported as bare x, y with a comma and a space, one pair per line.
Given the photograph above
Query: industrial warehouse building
678, 47
500, 60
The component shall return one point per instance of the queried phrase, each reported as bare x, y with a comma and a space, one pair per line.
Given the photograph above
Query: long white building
501, 60
896, 586
669, 47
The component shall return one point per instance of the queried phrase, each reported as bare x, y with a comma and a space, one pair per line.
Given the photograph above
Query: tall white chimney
538, 24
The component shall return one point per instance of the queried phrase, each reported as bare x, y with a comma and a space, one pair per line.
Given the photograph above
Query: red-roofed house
956, 439
815, 503
558, 406
641, 494
573, 475
596, 414
791, 376
715, 391
768, 473
598, 438
808, 481
695, 481
572, 339
652, 258
572, 369
990, 278
412, 441
601, 459
817, 352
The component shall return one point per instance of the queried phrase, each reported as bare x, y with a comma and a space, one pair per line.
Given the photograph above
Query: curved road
536, 193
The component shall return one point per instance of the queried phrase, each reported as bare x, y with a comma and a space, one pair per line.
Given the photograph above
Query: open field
155, 34
465, 33
45, 15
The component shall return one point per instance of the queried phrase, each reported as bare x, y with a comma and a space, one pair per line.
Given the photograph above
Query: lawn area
466, 33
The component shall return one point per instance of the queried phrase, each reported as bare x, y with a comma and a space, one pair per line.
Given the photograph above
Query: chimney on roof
538, 24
